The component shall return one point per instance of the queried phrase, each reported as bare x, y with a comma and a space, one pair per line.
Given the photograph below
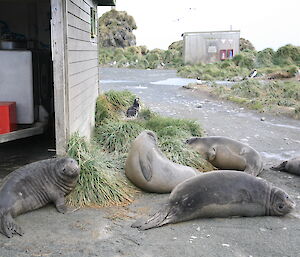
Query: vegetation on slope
275, 96
116, 29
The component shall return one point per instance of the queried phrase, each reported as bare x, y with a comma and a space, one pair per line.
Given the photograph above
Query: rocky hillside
116, 29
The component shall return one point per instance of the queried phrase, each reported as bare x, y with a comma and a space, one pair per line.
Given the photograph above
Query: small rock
262, 118
193, 237
262, 229
207, 236
198, 229
199, 106
284, 228
289, 177
298, 196
285, 138
174, 238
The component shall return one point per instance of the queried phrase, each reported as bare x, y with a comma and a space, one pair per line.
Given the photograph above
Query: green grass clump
158, 123
177, 151
141, 58
111, 104
117, 135
120, 100
263, 96
213, 71
100, 182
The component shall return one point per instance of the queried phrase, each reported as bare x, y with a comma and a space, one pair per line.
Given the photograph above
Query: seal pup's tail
280, 167
160, 218
8, 227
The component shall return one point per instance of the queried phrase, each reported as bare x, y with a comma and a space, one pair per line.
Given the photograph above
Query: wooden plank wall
82, 67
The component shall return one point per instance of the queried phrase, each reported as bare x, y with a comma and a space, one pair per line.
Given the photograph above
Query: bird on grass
253, 74
134, 109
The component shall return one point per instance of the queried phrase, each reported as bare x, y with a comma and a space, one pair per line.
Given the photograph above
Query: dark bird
133, 110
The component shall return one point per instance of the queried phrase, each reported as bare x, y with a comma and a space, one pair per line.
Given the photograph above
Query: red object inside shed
8, 118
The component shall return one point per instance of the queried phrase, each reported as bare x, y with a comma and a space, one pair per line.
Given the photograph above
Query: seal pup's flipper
8, 227
145, 164
60, 204
280, 167
160, 218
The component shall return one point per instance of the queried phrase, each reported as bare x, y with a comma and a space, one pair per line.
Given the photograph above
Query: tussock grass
162, 125
274, 96
100, 182
117, 135
177, 151
110, 105
141, 58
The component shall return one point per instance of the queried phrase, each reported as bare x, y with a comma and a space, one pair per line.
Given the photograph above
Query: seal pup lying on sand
291, 166
33, 186
220, 194
149, 169
228, 154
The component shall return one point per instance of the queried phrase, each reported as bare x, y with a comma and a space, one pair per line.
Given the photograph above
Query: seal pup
33, 186
133, 110
291, 166
228, 154
220, 194
149, 169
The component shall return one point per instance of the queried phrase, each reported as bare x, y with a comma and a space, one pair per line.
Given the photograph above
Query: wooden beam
37, 129
58, 40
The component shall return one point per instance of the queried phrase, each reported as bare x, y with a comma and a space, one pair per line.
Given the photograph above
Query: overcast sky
266, 23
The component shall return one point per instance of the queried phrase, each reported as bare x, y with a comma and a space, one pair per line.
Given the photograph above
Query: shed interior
26, 79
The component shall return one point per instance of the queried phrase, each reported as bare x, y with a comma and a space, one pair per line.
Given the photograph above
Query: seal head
280, 203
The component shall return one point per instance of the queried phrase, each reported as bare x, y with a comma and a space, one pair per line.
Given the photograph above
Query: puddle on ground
282, 125
108, 81
174, 82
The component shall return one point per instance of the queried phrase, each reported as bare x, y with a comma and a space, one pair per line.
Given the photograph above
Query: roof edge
106, 2
215, 31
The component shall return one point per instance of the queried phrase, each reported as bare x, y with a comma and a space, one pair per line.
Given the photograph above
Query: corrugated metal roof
106, 2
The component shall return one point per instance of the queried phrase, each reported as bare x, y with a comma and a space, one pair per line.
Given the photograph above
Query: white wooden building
60, 39
210, 46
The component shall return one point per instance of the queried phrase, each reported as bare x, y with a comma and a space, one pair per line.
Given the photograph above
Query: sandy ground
107, 232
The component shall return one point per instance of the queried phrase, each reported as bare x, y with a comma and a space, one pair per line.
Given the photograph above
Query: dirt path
107, 232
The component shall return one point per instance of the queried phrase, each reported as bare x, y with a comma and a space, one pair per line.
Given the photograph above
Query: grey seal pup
221, 194
149, 169
33, 186
227, 154
291, 166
